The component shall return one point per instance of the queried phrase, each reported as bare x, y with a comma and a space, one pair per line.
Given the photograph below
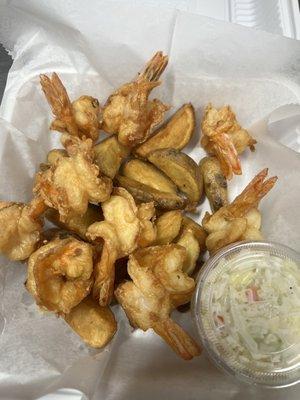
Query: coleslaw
250, 312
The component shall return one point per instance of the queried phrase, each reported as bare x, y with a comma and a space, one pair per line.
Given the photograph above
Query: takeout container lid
209, 332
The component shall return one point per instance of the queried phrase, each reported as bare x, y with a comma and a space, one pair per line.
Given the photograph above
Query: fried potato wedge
175, 134
76, 223
95, 325
147, 174
182, 170
145, 194
109, 155
198, 231
190, 243
215, 184
168, 227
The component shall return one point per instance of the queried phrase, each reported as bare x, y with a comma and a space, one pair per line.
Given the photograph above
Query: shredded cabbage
254, 311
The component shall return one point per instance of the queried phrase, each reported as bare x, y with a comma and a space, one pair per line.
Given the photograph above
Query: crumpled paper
95, 46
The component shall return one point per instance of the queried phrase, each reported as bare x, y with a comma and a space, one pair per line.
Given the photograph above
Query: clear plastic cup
246, 309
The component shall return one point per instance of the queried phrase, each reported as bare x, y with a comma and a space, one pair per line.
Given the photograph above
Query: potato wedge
76, 223
109, 155
168, 226
175, 134
95, 325
190, 243
145, 194
182, 170
147, 174
198, 231
215, 184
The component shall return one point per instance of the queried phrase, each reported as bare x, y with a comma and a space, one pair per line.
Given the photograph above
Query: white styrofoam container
275, 16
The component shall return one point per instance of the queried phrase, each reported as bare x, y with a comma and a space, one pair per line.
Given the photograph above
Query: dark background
5, 63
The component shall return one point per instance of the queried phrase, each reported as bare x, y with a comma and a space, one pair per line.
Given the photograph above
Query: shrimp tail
154, 68
227, 155
104, 278
37, 207
252, 194
177, 338
60, 103
104, 269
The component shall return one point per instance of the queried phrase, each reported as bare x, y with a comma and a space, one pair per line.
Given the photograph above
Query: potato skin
144, 194
215, 184
76, 223
109, 155
95, 325
182, 170
147, 174
176, 133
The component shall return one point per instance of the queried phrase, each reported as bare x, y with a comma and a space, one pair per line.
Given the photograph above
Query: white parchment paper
95, 46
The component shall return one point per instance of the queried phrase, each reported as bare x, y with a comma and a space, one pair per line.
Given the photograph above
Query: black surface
5, 63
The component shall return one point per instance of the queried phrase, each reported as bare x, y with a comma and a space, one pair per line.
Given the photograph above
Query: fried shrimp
21, 226
104, 269
167, 263
233, 222
72, 182
224, 138
60, 274
252, 231
119, 233
148, 231
80, 118
148, 304
128, 112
